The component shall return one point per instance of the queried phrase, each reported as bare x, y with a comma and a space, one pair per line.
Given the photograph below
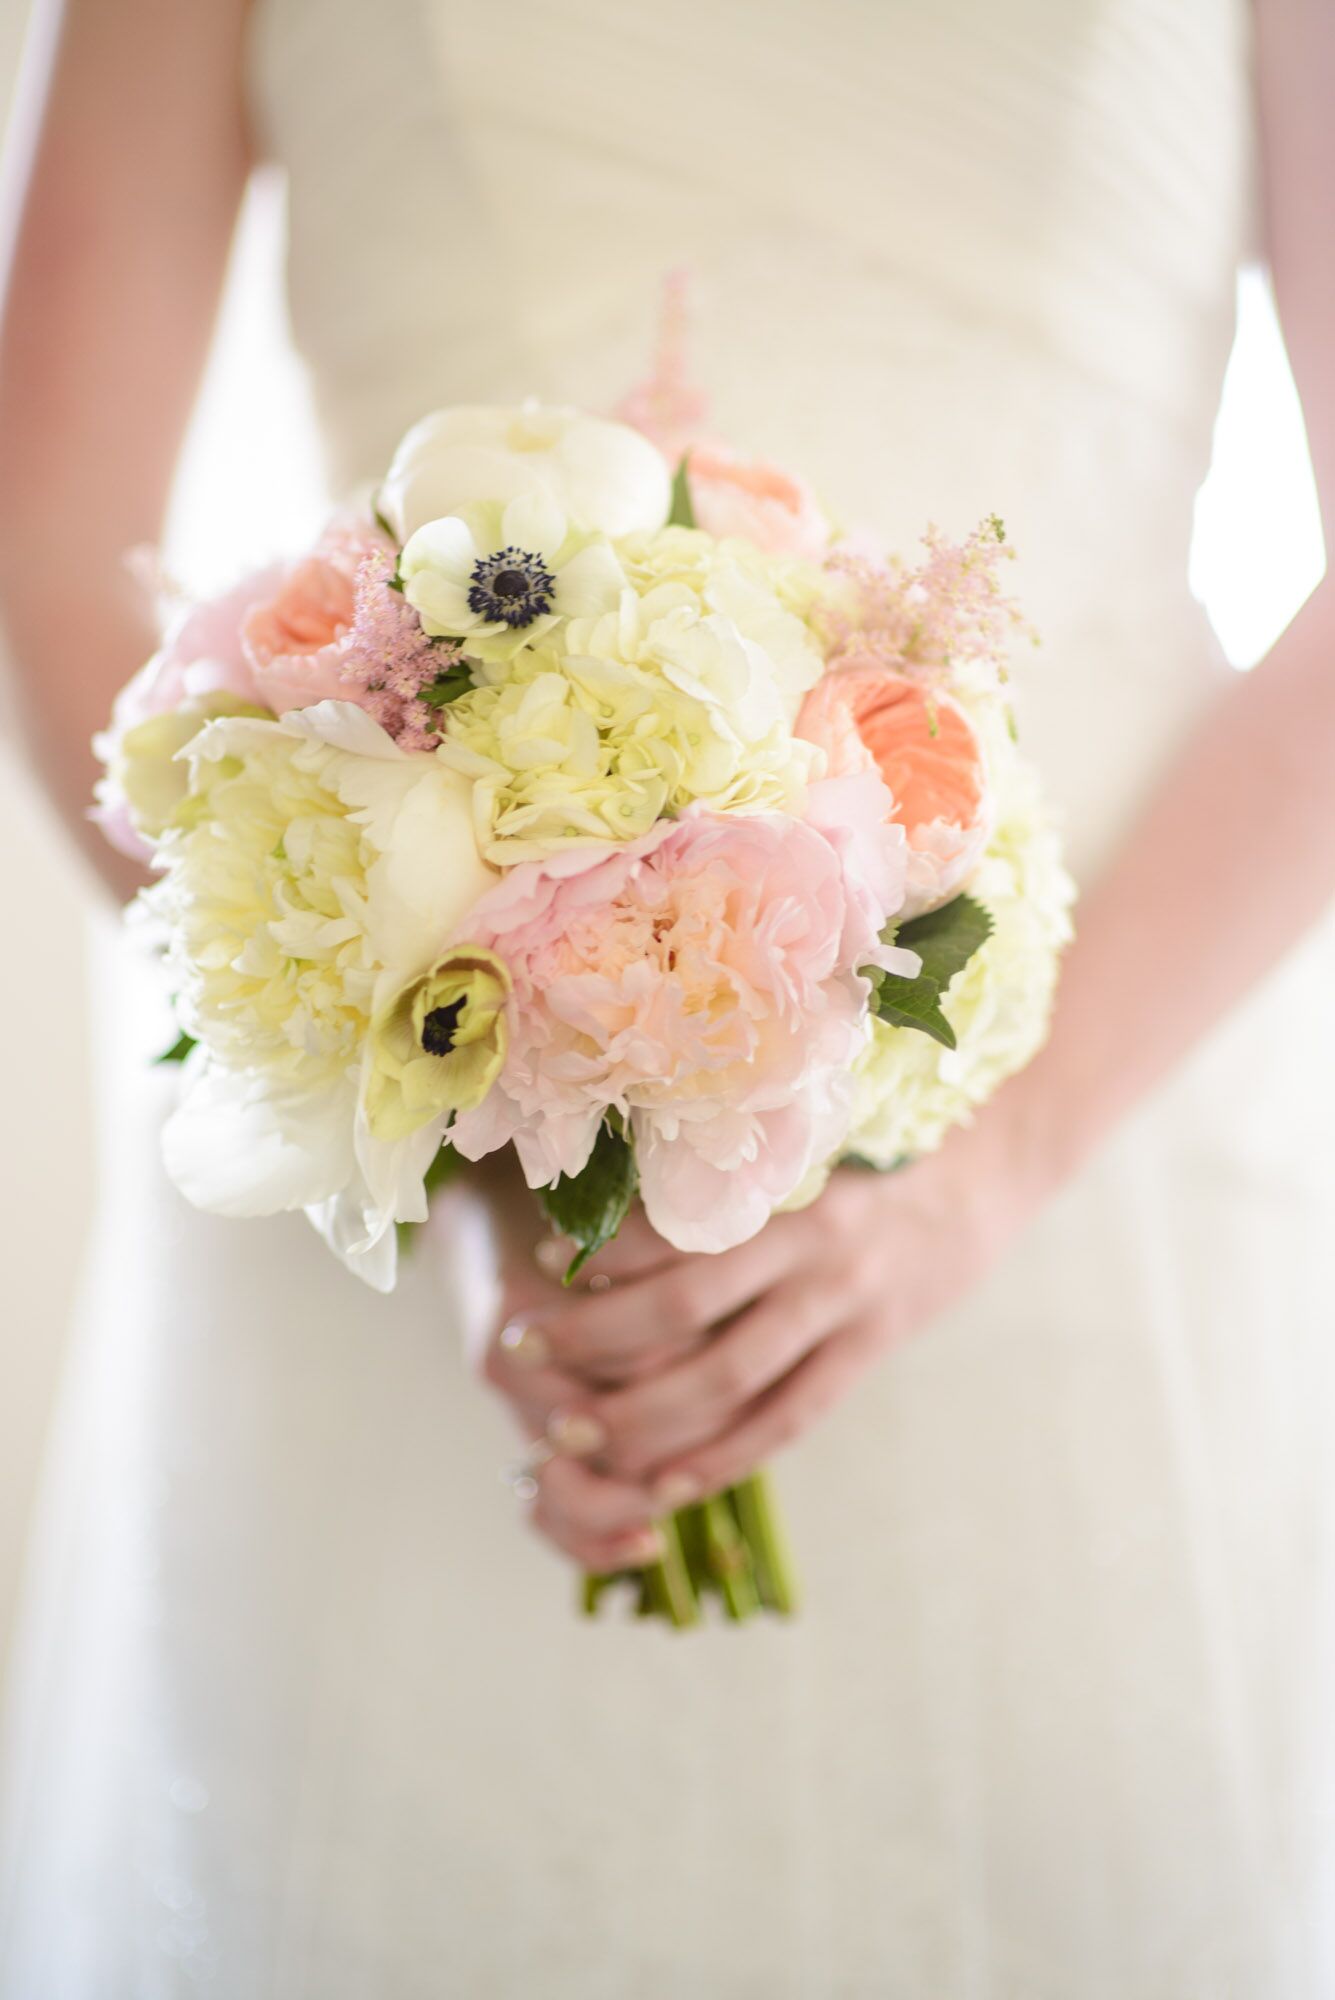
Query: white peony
311, 870
604, 476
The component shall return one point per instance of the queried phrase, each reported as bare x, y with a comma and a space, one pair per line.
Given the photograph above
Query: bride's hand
687, 1372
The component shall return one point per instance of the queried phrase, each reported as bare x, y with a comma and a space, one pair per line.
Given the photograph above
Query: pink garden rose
868, 718
201, 654
297, 638
698, 981
755, 501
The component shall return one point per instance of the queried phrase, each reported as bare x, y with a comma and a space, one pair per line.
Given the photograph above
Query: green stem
669, 1579
731, 1545
695, 1548
730, 1559
757, 1517
592, 1591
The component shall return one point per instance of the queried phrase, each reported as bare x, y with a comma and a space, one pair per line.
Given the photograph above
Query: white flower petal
343, 726
370, 1254
430, 874
533, 521
590, 583
441, 604
445, 547
602, 475
237, 1147
394, 1172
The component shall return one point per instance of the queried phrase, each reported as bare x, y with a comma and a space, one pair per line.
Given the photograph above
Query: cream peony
200, 670
604, 476
144, 771
312, 870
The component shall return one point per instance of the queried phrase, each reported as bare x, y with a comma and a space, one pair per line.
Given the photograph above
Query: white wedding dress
304, 1713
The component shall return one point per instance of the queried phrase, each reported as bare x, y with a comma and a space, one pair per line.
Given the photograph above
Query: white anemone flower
499, 577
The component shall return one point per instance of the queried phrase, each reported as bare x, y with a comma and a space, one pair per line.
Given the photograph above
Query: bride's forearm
1230, 864
115, 249
61, 703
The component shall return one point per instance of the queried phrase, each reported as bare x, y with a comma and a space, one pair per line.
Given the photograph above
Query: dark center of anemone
511, 587
440, 1027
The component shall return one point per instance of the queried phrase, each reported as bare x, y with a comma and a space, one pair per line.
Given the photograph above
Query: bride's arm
123, 185
1232, 862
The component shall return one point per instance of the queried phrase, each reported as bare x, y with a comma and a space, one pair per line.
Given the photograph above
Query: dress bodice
948, 261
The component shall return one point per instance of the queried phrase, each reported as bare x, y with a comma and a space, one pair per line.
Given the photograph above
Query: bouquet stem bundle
632, 826
731, 1547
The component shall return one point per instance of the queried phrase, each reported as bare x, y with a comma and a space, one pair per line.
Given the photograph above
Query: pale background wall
1257, 554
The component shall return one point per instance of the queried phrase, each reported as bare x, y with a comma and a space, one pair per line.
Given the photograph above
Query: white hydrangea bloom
684, 692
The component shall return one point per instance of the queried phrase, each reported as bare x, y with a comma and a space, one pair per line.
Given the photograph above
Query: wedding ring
524, 1343
521, 1477
551, 1254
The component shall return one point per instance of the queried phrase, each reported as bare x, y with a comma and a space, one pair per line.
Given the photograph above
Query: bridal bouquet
637, 822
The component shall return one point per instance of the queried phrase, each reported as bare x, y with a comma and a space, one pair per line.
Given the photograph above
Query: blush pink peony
926, 751
697, 981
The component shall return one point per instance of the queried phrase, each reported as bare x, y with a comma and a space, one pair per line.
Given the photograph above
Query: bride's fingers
601, 1523
534, 1391
784, 1413
588, 1503
703, 1396
669, 1310
612, 1373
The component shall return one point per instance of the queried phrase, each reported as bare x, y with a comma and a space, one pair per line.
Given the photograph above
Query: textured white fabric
304, 1712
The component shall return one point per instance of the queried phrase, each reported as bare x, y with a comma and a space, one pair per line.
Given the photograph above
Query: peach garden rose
928, 754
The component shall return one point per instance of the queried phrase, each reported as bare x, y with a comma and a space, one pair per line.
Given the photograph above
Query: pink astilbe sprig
668, 407
925, 621
390, 660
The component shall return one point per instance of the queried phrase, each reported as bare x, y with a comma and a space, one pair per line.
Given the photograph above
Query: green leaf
591, 1205
178, 1051
913, 1003
945, 940
682, 512
382, 523
457, 679
446, 1167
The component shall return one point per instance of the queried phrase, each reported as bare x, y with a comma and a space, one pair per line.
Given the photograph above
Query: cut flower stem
730, 1546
